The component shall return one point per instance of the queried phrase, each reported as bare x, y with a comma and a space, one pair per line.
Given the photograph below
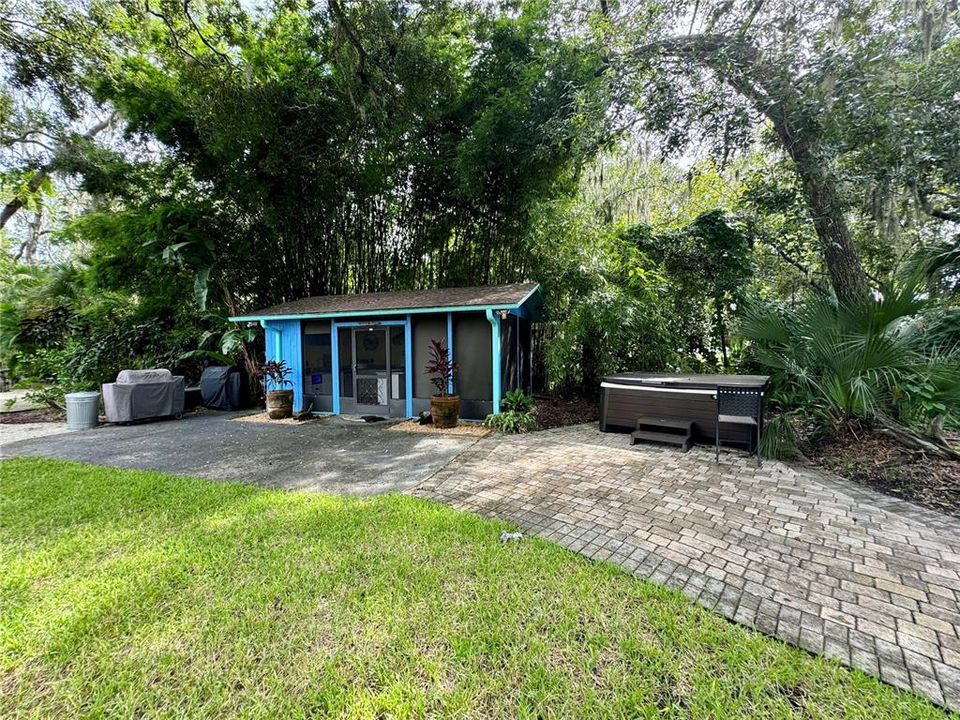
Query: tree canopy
656, 166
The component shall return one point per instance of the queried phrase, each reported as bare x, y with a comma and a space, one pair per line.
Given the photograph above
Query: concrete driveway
330, 454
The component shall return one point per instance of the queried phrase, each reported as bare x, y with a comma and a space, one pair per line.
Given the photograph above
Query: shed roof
511, 296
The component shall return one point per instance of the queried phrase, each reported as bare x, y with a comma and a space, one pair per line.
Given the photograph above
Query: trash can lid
83, 394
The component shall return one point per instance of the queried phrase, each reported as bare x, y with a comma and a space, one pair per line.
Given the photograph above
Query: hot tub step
665, 430
662, 422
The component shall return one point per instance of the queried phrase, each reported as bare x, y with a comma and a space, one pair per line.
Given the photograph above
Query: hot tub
626, 396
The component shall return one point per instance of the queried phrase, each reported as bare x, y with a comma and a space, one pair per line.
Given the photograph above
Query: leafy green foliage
516, 400
517, 415
707, 264
407, 154
836, 363
602, 296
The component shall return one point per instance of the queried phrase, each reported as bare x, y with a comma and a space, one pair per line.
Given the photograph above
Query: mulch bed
471, 429
41, 415
262, 417
879, 462
559, 412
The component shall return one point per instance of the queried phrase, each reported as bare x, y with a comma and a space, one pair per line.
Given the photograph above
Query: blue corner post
450, 348
335, 358
494, 320
408, 363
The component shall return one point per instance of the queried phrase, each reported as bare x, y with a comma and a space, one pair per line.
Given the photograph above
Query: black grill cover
222, 388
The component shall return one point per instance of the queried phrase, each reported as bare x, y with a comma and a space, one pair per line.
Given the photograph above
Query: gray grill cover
221, 388
141, 394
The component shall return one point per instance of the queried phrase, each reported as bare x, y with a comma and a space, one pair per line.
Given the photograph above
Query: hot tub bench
628, 396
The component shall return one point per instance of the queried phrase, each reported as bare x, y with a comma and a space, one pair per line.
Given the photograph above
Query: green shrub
855, 364
517, 413
517, 401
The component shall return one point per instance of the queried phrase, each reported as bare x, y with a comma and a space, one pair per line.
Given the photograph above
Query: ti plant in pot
276, 375
444, 406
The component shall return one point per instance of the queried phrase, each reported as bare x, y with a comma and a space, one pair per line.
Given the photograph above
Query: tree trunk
937, 447
249, 359
799, 135
773, 91
836, 246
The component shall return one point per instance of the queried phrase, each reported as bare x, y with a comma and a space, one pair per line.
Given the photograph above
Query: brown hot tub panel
627, 396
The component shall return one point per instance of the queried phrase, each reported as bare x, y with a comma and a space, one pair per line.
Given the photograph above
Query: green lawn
135, 594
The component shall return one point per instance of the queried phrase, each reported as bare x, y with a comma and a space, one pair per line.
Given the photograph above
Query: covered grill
142, 394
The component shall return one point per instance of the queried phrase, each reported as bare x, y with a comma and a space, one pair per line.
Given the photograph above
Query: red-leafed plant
274, 374
441, 368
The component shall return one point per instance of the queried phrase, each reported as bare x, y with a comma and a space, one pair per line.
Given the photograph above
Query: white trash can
83, 410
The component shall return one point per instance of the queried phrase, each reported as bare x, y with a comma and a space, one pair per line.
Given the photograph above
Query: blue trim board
494, 320
335, 357
408, 363
450, 348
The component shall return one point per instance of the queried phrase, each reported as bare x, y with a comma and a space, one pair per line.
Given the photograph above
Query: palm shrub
881, 362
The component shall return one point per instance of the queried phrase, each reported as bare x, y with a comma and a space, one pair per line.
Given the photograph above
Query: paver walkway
819, 562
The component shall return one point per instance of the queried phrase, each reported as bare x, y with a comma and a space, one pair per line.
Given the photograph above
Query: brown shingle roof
365, 303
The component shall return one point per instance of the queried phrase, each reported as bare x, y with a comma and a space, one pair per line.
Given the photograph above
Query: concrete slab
15, 400
331, 455
28, 431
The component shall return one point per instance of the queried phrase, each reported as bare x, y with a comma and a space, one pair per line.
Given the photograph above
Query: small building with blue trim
366, 353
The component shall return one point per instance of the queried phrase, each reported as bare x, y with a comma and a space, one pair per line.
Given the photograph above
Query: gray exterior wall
315, 327
425, 328
469, 409
472, 351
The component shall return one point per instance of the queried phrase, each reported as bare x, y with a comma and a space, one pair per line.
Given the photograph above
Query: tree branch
203, 38
794, 263
11, 208
173, 32
343, 22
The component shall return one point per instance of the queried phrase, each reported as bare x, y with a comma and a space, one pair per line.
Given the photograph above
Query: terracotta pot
279, 404
445, 410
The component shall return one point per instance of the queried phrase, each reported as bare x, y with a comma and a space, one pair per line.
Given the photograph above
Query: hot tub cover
686, 382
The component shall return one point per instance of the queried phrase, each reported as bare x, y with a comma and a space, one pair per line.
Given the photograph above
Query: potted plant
275, 374
444, 406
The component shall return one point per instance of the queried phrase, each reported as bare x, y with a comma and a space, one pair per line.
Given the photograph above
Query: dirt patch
40, 415
262, 417
554, 412
879, 462
463, 428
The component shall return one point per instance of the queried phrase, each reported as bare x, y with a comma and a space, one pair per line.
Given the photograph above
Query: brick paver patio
816, 561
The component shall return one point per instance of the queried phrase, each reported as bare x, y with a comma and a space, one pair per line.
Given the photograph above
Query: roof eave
396, 311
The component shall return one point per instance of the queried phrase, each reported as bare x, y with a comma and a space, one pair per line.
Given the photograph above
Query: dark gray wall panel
425, 329
473, 353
